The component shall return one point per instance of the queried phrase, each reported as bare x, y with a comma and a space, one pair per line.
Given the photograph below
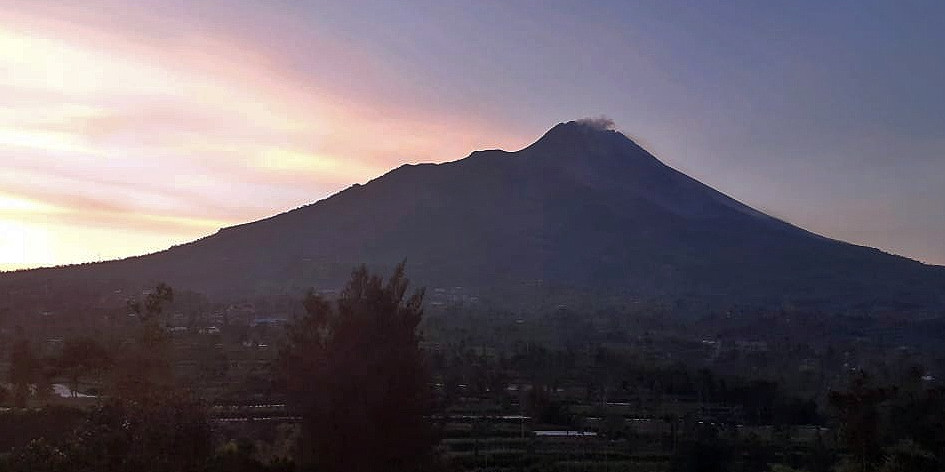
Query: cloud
171, 129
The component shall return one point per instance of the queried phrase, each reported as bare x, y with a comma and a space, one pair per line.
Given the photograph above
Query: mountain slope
583, 207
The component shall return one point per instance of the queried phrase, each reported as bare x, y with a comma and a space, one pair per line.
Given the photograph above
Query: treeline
891, 427
603, 374
351, 368
366, 393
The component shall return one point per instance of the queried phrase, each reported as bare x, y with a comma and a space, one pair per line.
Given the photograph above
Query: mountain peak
585, 127
601, 123
587, 140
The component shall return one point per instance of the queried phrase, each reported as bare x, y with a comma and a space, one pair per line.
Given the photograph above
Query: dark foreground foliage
350, 389
354, 371
165, 434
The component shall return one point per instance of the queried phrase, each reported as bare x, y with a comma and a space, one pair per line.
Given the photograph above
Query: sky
128, 127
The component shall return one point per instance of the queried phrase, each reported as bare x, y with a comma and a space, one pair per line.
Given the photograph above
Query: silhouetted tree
355, 372
918, 415
153, 304
238, 456
909, 457
541, 405
160, 433
52, 423
144, 365
43, 373
22, 368
859, 416
81, 358
39, 455
704, 452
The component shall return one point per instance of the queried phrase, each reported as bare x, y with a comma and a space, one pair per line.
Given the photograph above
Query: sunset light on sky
96, 115
128, 127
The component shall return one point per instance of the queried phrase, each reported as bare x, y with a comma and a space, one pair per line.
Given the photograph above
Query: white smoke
600, 123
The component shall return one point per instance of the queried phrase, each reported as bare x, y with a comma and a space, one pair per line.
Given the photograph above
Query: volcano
583, 209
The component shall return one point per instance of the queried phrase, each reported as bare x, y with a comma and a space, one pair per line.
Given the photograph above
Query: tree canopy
354, 370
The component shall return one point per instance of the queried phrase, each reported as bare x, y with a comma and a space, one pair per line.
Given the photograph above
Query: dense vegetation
366, 379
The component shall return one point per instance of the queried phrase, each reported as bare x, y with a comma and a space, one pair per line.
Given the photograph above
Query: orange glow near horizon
115, 146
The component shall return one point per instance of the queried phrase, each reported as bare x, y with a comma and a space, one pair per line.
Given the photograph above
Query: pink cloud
145, 123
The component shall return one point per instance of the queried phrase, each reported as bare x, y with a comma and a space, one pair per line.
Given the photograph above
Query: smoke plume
601, 123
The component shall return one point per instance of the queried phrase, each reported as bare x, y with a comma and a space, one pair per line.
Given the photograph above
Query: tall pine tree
355, 372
